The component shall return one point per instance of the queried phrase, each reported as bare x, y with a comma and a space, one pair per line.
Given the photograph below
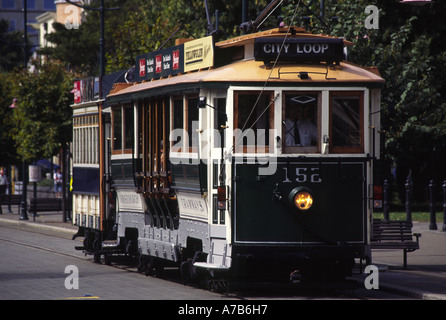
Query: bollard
408, 186
386, 203
432, 220
444, 205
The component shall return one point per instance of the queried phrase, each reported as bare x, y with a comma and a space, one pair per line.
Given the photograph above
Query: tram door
108, 197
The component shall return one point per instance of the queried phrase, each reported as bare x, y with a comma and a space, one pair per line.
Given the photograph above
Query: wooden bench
45, 205
394, 235
10, 199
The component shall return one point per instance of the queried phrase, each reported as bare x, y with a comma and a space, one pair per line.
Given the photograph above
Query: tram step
110, 245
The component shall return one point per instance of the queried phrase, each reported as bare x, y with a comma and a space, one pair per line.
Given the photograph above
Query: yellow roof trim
255, 71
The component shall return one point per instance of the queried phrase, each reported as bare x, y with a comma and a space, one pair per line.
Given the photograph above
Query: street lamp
24, 204
102, 10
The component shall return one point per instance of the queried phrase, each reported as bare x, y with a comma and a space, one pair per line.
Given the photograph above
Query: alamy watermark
371, 282
72, 20
246, 146
372, 20
72, 280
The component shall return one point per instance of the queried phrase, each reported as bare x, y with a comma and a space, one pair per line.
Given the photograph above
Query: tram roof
250, 72
292, 32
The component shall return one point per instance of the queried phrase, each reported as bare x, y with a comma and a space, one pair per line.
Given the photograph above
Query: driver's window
301, 122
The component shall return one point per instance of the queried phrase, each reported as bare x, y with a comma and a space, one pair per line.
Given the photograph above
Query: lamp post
102, 10
24, 204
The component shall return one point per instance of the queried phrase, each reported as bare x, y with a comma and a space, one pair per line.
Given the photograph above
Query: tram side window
192, 123
219, 121
300, 126
85, 139
177, 122
123, 129
346, 122
253, 118
117, 129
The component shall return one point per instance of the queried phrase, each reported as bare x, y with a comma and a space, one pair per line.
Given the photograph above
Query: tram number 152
304, 175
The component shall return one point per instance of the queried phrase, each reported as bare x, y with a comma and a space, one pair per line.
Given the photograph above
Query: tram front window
346, 118
253, 118
300, 124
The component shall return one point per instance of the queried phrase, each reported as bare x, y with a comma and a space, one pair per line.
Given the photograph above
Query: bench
394, 235
45, 205
10, 199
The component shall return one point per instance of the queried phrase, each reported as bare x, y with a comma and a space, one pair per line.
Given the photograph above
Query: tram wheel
148, 266
108, 258
97, 257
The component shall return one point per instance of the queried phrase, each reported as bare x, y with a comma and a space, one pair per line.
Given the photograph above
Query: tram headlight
301, 198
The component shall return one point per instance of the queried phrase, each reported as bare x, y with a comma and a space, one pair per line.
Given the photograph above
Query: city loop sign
299, 50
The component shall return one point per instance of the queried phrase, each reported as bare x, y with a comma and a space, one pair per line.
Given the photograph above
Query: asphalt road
43, 265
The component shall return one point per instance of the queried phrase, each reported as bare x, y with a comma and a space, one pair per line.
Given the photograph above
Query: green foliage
41, 124
410, 54
148, 24
77, 48
8, 153
11, 48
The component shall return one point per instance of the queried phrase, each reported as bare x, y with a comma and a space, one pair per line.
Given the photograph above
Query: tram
248, 159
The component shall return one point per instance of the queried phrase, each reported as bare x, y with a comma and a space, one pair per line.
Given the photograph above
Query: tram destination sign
299, 50
190, 56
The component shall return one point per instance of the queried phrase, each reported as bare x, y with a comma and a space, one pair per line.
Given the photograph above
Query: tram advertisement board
161, 63
190, 56
299, 50
86, 90
198, 54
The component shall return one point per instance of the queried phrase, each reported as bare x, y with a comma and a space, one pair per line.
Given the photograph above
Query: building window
8, 4
49, 5
346, 122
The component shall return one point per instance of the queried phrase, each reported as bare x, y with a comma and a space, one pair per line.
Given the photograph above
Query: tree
76, 48
148, 24
8, 153
41, 124
11, 48
409, 52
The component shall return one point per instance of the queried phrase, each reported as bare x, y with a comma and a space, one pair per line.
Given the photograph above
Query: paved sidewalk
424, 278
50, 220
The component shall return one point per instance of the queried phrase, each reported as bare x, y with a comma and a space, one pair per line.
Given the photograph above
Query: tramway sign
299, 50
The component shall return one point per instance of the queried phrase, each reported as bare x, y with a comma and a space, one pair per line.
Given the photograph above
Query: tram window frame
219, 121
177, 122
358, 147
269, 122
317, 109
192, 111
86, 139
123, 129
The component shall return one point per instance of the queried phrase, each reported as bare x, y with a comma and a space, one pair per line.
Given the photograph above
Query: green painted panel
337, 214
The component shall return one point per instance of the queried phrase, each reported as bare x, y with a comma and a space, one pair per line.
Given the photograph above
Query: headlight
301, 198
